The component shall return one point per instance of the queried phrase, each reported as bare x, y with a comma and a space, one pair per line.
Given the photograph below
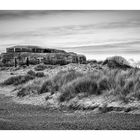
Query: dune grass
17, 80
122, 84
21, 79
79, 85
30, 88
42, 67
61, 78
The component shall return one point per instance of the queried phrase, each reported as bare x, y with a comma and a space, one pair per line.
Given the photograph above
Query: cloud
12, 14
100, 27
71, 29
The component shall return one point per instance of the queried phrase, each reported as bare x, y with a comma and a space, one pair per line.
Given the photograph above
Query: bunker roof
26, 46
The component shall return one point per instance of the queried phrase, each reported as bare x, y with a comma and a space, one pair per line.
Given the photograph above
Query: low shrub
33, 62
36, 74
21, 63
40, 74
40, 67
91, 62
31, 72
117, 62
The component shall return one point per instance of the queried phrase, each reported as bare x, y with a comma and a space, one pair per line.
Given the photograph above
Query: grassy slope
87, 87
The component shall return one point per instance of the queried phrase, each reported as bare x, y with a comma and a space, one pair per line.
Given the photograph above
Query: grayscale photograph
69, 70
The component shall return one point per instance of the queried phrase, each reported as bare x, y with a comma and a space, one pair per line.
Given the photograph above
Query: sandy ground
15, 116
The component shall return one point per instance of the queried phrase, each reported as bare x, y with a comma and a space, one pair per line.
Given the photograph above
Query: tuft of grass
17, 80
21, 79
36, 74
40, 67
61, 78
52, 84
31, 72
104, 83
30, 88
46, 86
40, 74
79, 85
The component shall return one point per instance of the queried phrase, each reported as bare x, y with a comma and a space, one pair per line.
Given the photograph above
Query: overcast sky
102, 31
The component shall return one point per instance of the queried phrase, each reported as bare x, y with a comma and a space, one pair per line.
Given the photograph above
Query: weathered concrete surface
37, 55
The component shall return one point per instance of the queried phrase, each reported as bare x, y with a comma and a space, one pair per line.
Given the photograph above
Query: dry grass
120, 83
17, 80
21, 79
80, 85
40, 67
61, 78
30, 88
70, 83
125, 84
